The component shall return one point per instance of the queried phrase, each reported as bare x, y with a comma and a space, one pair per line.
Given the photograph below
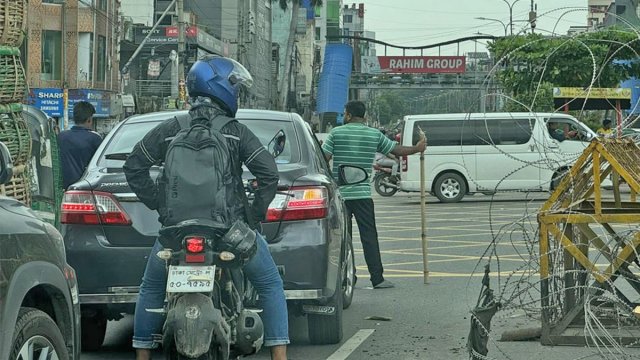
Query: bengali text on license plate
191, 278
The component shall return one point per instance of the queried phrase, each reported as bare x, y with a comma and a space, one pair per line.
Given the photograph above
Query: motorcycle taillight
195, 249
194, 244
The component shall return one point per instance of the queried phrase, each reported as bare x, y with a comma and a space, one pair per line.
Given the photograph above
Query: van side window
445, 132
503, 131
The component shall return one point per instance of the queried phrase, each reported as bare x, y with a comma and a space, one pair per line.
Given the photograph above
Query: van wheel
37, 337
557, 178
450, 187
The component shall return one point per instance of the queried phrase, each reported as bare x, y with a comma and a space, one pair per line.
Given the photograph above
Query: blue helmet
219, 79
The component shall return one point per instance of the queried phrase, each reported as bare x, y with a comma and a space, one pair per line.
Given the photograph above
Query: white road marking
351, 345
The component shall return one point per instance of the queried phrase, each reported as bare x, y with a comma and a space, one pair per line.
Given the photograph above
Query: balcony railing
160, 88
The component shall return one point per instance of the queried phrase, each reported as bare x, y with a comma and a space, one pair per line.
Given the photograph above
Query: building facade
300, 77
70, 55
597, 13
623, 13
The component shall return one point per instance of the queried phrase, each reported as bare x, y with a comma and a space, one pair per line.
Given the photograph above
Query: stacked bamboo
13, 129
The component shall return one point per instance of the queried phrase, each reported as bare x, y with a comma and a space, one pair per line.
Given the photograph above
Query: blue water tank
333, 86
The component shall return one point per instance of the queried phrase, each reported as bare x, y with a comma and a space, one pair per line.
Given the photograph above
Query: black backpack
197, 181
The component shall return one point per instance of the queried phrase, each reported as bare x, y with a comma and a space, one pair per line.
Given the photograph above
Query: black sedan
108, 232
39, 311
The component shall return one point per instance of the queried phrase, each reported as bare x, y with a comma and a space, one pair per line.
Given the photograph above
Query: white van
492, 152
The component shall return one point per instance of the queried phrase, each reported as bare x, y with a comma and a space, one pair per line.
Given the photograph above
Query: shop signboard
413, 64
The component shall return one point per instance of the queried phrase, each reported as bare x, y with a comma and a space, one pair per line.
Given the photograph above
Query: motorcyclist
213, 84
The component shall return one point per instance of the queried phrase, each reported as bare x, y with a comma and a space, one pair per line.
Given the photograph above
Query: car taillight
301, 204
92, 208
405, 163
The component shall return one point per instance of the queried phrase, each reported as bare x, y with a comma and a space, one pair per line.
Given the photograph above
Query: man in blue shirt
78, 144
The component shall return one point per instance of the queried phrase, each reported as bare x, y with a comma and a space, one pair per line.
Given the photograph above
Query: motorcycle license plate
190, 279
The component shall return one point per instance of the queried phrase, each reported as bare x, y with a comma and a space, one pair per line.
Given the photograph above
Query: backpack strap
218, 124
184, 121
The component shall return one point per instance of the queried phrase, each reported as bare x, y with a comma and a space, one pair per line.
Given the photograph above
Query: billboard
413, 64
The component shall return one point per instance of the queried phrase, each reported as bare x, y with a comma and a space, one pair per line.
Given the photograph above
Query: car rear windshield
124, 140
128, 136
266, 130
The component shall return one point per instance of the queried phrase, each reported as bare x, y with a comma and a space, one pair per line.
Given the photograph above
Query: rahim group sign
413, 64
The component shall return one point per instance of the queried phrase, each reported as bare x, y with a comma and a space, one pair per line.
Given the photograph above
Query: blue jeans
262, 273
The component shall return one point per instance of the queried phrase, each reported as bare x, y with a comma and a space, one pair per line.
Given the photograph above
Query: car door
507, 155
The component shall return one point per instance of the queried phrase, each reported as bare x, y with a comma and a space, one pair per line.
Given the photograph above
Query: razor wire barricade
577, 280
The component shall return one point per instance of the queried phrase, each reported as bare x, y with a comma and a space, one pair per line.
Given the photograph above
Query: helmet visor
240, 75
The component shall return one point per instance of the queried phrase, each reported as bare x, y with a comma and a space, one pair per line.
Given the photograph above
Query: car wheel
327, 329
94, 329
379, 185
349, 277
37, 337
557, 178
450, 187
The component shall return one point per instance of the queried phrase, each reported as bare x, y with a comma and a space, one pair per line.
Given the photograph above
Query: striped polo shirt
356, 144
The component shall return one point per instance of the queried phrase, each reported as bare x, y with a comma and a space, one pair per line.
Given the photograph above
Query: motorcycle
386, 182
206, 316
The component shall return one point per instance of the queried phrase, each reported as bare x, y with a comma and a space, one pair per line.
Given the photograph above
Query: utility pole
181, 38
182, 89
533, 16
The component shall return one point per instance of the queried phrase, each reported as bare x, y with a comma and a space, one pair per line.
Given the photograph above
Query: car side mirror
351, 175
6, 165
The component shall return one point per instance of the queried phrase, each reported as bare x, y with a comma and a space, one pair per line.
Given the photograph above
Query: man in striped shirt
355, 143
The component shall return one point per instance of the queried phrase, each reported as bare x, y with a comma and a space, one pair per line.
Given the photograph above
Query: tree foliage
530, 66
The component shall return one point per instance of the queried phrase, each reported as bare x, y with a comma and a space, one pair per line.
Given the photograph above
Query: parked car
39, 308
109, 232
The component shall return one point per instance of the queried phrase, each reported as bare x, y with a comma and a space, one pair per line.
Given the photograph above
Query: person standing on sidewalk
356, 144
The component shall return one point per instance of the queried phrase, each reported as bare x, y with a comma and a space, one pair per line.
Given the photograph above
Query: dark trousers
364, 212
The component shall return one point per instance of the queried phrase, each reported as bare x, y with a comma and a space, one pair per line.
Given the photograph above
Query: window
620, 9
102, 5
124, 140
348, 18
51, 68
85, 56
52, 1
266, 130
476, 132
102, 54
503, 131
445, 132
318, 33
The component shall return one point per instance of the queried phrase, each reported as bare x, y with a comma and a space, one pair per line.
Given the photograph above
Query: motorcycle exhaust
391, 185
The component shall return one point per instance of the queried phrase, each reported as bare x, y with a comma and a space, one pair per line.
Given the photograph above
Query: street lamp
510, 5
495, 20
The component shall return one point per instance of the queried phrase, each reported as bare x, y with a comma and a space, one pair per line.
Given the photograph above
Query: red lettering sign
172, 31
422, 64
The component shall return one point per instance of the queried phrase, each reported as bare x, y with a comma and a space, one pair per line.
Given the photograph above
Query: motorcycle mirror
351, 175
277, 143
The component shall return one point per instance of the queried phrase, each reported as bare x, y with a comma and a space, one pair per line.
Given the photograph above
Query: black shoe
385, 284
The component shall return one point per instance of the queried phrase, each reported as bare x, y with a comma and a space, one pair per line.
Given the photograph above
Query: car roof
470, 116
242, 114
155, 116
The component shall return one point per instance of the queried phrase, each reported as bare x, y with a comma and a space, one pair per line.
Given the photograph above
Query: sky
424, 22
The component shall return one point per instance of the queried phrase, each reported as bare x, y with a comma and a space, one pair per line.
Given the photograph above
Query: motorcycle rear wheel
211, 355
380, 187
